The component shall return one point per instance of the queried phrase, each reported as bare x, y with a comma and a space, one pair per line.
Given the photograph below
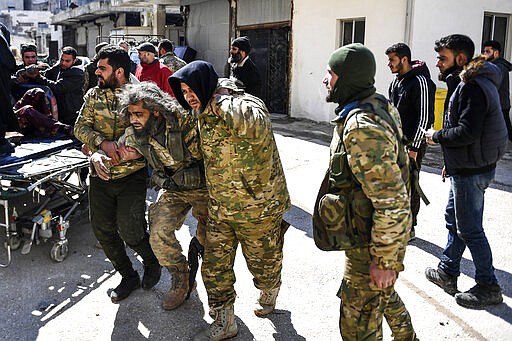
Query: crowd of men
209, 144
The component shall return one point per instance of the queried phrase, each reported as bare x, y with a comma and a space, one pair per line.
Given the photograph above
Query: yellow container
439, 108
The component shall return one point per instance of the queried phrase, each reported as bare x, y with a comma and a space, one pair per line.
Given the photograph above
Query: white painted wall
315, 33
448, 18
208, 32
315, 36
263, 11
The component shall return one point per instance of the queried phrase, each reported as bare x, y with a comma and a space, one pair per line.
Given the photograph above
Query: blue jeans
464, 215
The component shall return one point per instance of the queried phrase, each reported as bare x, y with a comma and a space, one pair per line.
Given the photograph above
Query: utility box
439, 108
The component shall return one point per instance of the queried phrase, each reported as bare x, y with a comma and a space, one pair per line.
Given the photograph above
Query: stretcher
51, 175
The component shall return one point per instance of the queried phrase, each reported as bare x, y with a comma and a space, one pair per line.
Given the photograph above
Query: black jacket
67, 87
249, 75
413, 95
474, 135
504, 89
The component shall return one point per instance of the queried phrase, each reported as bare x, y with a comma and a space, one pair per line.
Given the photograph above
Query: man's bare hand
86, 150
413, 154
112, 151
98, 161
128, 153
428, 136
382, 278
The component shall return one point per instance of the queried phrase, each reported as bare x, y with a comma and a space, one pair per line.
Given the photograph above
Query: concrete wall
208, 32
14, 4
451, 17
250, 12
315, 36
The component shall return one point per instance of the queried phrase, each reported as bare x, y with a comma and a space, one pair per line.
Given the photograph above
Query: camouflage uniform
168, 213
372, 151
117, 206
172, 61
248, 195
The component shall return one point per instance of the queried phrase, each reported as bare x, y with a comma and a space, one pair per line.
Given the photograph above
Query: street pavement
44, 300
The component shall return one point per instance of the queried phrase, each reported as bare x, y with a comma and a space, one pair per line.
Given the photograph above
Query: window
495, 28
351, 31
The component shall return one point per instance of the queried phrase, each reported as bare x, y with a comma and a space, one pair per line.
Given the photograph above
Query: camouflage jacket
173, 151
100, 119
172, 61
379, 165
244, 175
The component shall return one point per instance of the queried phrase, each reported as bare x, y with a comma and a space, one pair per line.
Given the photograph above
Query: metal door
270, 53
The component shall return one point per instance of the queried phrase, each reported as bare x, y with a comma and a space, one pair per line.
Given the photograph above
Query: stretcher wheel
59, 251
14, 241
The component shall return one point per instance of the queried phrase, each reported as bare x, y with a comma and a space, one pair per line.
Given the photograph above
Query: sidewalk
321, 133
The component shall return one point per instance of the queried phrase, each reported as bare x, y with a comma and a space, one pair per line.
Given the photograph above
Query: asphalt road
44, 300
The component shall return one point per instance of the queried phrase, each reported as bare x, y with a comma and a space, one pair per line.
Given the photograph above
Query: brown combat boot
224, 326
267, 302
179, 287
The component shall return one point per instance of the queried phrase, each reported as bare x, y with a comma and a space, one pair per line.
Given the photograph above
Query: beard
328, 97
235, 58
442, 75
150, 129
109, 83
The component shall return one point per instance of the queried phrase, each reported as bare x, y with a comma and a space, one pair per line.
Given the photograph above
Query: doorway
270, 53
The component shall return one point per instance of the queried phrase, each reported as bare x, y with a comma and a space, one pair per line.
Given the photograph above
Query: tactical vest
189, 174
342, 217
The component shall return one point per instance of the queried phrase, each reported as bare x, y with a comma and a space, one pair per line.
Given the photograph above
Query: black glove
170, 185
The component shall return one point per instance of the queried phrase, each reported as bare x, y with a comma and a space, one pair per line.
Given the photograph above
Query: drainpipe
408, 22
100, 33
232, 20
185, 10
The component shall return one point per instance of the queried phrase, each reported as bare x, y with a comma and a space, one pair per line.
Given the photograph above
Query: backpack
342, 216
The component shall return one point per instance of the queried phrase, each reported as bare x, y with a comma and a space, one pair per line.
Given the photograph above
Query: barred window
351, 31
495, 28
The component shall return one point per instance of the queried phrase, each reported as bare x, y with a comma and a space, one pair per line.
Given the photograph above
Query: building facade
292, 39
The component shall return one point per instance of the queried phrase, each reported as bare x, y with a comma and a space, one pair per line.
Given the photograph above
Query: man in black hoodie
8, 121
492, 51
412, 93
66, 80
473, 139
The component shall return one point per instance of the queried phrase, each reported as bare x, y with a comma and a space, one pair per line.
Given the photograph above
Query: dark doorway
270, 53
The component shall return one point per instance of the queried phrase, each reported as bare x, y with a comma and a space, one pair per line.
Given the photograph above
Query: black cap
148, 47
243, 43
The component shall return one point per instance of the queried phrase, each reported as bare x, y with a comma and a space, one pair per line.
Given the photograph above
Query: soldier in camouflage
247, 188
167, 56
117, 194
168, 138
378, 167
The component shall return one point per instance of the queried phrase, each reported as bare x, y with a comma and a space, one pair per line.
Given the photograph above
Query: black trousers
117, 213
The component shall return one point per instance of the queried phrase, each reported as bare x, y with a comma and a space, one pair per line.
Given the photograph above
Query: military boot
267, 302
179, 287
224, 326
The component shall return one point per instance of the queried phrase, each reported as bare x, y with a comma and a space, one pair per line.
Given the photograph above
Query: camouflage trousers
363, 306
168, 214
117, 213
262, 246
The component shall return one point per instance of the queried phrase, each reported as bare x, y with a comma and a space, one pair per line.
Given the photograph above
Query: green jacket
100, 119
173, 152
379, 175
244, 175
172, 61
